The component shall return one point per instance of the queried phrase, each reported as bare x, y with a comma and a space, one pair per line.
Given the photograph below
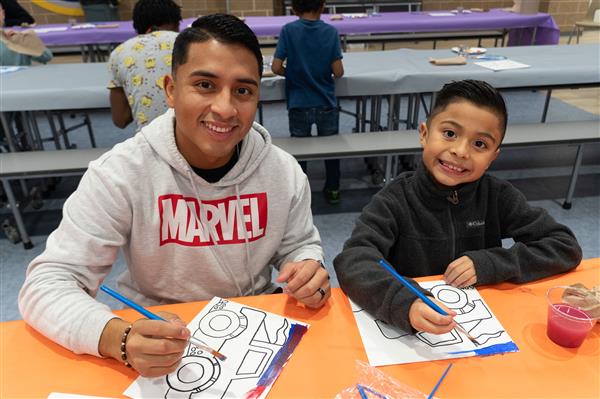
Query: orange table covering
324, 361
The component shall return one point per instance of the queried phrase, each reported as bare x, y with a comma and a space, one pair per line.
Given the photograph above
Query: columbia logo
476, 223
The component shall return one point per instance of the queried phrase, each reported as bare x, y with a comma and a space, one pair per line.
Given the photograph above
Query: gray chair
587, 22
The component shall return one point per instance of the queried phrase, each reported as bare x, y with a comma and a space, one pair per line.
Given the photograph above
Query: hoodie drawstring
246, 245
214, 237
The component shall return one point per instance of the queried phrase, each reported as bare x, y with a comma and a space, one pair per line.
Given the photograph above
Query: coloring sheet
386, 345
257, 345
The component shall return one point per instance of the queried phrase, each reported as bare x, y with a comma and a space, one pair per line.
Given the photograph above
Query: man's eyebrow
207, 74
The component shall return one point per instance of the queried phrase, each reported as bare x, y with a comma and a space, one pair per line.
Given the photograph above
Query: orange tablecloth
324, 361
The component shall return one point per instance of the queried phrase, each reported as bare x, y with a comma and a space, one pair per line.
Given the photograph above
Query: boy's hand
307, 281
461, 273
425, 319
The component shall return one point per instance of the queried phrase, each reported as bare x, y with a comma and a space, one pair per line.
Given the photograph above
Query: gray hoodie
143, 197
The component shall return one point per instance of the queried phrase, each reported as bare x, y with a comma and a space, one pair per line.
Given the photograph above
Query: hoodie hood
160, 134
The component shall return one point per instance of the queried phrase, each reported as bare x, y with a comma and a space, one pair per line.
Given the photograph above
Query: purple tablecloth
520, 25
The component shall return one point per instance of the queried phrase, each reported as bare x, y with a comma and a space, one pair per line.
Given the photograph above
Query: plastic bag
375, 384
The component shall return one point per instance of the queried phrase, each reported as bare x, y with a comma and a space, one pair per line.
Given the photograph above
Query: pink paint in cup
567, 324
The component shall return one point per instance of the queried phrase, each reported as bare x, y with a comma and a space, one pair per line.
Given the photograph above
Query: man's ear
169, 87
423, 133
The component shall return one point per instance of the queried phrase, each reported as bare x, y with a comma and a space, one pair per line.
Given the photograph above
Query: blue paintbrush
193, 340
423, 297
439, 382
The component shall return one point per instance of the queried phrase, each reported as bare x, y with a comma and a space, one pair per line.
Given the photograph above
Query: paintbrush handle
415, 291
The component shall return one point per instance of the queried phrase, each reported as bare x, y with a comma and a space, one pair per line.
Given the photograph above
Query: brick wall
564, 12
190, 8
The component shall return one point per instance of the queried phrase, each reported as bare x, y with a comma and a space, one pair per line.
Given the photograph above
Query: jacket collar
437, 197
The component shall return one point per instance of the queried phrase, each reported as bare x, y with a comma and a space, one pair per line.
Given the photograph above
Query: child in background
314, 59
449, 217
138, 66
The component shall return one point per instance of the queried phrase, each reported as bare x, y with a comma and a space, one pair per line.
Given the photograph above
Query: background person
138, 66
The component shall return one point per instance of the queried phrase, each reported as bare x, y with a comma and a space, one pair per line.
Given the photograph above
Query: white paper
386, 345
60, 395
355, 15
52, 29
501, 65
442, 14
249, 337
9, 69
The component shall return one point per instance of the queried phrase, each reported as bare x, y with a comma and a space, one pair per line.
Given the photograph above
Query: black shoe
332, 196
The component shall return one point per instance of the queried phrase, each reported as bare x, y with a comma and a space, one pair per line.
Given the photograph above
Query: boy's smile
460, 143
215, 96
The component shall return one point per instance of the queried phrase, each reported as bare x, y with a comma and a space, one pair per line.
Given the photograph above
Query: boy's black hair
149, 14
223, 28
478, 92
302, 6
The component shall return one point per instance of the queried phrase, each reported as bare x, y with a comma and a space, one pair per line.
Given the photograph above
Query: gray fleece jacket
183, 238
420, 228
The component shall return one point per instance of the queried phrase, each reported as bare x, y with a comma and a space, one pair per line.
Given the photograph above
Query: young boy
193, 203
449, 217
139, 65
314, 58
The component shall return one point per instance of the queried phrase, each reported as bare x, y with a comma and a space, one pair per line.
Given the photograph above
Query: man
200, 202
138, 66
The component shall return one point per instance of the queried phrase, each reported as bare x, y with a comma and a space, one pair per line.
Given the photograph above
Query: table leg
27, 244
567, 204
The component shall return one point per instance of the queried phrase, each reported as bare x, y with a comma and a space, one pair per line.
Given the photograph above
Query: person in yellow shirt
138, 66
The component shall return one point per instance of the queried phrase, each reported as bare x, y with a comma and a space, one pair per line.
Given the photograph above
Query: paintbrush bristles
462, 329
219, 356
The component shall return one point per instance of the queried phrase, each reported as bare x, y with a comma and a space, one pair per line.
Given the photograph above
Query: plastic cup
568, 325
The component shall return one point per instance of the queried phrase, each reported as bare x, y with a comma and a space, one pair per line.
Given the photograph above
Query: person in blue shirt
314, 58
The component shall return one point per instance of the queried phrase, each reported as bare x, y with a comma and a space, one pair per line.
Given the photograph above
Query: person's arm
337, 68
119, 108
542, 248
280, 53
44, 58
277, 67
299, 255
57, 297
357, 268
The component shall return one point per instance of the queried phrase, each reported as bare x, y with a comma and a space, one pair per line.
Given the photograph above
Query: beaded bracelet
124, 346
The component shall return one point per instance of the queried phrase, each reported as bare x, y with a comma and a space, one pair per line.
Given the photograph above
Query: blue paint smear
491, 350
295, 334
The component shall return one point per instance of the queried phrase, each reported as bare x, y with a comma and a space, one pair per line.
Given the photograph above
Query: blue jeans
327, 120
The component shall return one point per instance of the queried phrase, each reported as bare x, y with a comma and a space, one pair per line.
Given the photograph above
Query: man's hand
154, 347
461, 273
425, 319
307, 281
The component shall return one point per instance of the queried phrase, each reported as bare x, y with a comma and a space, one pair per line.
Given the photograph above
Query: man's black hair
223, 28
477, 92
150, 14
302, 6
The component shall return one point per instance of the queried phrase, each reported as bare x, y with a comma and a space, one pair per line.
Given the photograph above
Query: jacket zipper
453, 199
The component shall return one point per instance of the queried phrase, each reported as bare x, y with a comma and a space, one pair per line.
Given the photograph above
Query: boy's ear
169, 87
423, 133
